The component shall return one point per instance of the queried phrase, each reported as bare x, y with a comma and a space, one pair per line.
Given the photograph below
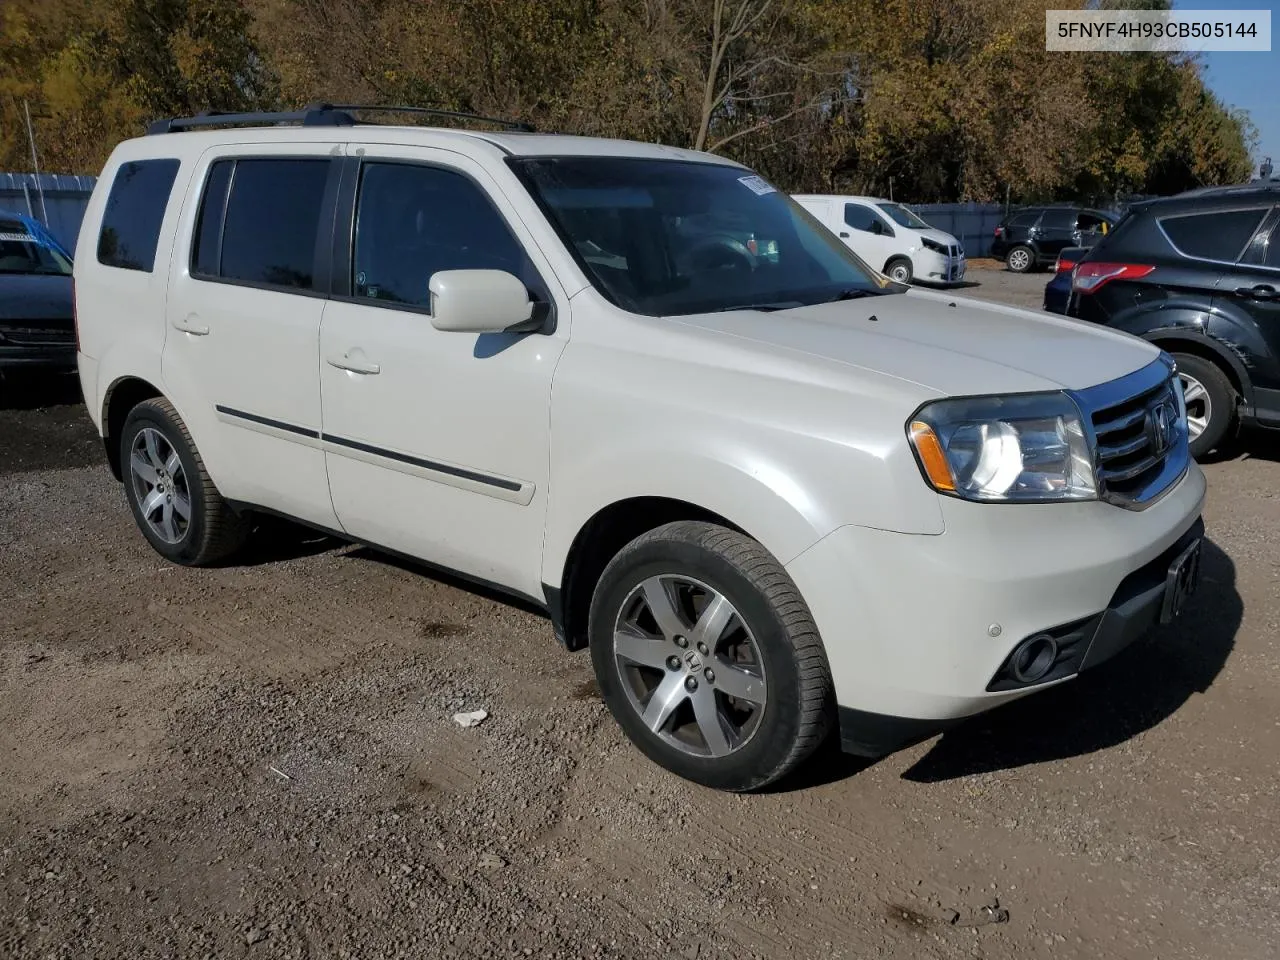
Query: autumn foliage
948, 99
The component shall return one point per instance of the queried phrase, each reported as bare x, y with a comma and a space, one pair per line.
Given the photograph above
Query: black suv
1199, 275
1033, 237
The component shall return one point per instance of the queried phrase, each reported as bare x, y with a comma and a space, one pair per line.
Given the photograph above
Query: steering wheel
721, 253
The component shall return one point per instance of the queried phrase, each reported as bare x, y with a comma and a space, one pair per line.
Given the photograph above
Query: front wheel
1210, 400
708, 657
899, 269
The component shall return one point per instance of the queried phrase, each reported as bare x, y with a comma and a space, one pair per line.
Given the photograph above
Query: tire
1020, 259
167, 474
763, 642
899, 269
1211, 403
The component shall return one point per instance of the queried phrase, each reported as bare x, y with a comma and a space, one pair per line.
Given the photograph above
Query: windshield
671, 237
902, 216
22, 253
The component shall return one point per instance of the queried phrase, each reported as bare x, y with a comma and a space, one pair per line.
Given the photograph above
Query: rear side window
259, 222
1058, 220
1025, 219
1220, 235
135, 209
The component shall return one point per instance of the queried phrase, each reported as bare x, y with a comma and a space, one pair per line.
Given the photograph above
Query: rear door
1055, 232
246, 294
1253, 289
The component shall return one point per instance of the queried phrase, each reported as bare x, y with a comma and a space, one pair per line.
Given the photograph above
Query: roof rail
317, 115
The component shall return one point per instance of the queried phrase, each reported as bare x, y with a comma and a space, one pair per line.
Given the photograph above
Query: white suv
769, 488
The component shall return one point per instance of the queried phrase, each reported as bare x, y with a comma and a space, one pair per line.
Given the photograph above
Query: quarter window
414, 221
134, 211
1220, 235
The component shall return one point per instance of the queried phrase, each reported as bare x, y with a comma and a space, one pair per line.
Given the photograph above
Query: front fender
763, 500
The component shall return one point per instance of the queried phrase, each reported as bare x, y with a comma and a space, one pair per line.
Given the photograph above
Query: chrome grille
1138, 436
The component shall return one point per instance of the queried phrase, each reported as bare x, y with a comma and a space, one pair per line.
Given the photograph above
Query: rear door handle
845, 234
1263, 291
354, 364
191, 324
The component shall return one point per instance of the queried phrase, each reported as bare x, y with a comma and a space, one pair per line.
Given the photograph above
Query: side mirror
479, 301
876, 227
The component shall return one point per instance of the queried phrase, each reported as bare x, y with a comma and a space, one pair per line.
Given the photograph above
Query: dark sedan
37, 316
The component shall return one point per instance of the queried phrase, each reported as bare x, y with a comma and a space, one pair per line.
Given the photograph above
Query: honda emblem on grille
1160, 426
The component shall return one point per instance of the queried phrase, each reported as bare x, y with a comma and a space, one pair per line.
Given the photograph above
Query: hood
941, 236
33, 296
947, 345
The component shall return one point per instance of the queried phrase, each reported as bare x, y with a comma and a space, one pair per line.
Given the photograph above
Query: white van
890, 237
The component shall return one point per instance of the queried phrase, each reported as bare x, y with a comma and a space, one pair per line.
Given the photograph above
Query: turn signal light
932, 458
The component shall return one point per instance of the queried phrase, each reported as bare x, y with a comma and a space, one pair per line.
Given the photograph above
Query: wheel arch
1180, 341
120, 397
597, 542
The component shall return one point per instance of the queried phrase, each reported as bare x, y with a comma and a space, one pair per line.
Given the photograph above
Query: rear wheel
708, 657
1211, 402
175, 504
1020, 259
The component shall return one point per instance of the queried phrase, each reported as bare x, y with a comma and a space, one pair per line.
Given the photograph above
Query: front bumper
933, 267
37, 349
908, 621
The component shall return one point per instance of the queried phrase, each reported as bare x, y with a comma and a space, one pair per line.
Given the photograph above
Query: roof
326, 123
1263, 191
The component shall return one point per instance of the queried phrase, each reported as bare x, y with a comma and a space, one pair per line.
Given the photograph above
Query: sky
1247, 80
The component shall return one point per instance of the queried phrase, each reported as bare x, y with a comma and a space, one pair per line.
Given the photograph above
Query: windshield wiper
762, 307
853, 293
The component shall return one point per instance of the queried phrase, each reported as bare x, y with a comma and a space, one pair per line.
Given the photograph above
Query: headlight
1026, 448
933, 245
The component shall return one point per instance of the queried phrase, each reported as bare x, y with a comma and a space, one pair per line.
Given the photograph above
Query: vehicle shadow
275, 539
446, 577
29, 391
1106, 706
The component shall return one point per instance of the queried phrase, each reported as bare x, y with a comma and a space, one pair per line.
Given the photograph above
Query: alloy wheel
690, 666
1019, 260
1199, 405
160, 485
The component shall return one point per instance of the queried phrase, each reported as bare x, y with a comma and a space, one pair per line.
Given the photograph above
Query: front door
241, 356
868, 234
437, 442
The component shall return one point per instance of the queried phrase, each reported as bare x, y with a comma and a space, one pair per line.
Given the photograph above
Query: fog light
1034, 658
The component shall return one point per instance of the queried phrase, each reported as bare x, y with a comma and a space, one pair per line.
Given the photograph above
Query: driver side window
865, 219
414, 221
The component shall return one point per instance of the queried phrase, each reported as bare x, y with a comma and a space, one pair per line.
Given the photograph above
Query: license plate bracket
1181, 581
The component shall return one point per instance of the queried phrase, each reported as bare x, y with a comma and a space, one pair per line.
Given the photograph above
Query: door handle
1263, 291
845, 234
191, 324
354, 364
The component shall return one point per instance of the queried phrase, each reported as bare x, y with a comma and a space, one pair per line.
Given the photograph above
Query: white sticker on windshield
756, 185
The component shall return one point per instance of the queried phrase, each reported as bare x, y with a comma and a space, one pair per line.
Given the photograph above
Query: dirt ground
259, 761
